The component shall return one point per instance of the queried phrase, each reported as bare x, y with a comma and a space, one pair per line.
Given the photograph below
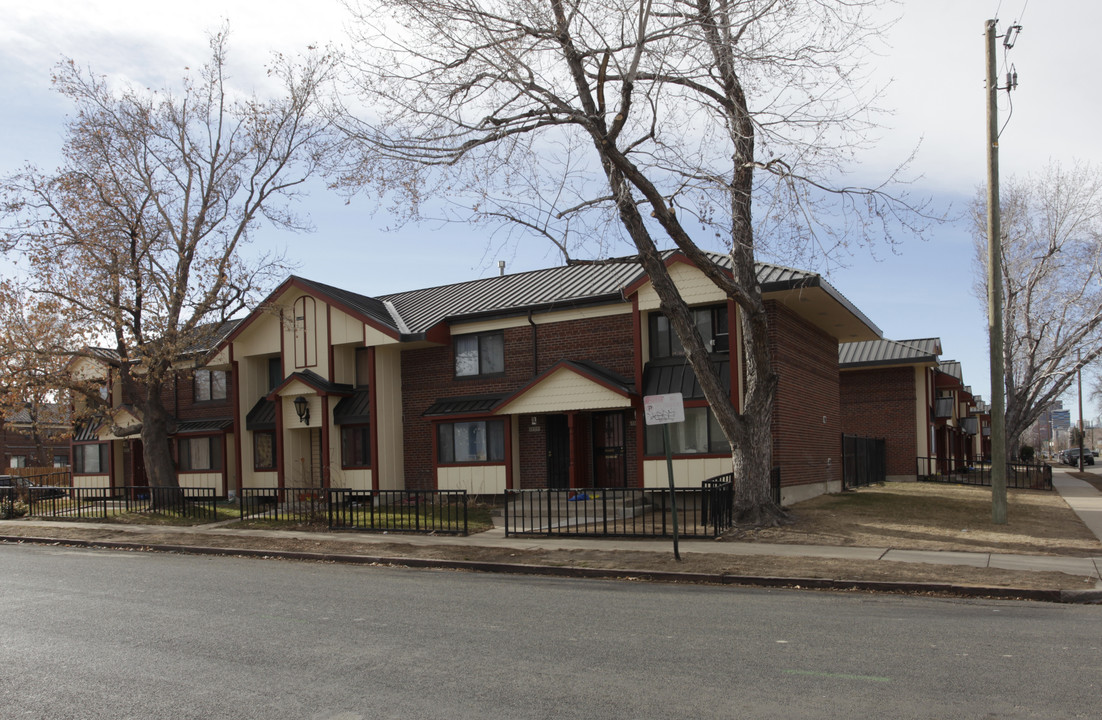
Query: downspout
535, 345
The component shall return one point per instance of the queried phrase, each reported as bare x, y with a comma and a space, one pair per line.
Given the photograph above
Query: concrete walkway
1083, 498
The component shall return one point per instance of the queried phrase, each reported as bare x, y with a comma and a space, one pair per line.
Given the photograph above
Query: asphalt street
107, 634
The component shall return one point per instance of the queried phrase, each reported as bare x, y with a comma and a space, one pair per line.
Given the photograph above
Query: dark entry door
558, 452
609, 466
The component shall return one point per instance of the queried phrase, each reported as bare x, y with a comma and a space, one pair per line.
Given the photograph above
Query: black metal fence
621, 512
1021, 476
864, 461
416, 511
192, 503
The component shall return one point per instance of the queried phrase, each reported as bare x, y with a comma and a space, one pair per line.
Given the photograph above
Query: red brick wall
880, 402
178, 396
807, 449
429, 374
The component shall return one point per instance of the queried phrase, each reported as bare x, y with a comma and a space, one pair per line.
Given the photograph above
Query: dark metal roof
662, 377
262, 416
564, 286
943, 407
86, 431
48, 414
203, 427
952, 367
370, 307
354, 409
472, 404
205, 338
888, 352
602, 374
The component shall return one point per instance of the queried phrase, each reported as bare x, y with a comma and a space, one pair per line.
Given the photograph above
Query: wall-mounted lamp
302, 409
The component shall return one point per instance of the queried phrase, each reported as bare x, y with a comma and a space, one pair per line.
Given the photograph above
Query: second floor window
482, 354
210, 385
710, 321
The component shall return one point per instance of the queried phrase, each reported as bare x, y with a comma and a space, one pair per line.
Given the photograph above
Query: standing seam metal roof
887, 352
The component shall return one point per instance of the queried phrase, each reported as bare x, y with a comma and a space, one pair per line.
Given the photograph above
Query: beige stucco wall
695, 288
387, 389
922, 431
91, 481
562, 391
201, 480
687, 472
475, 479
545, 318
349, 479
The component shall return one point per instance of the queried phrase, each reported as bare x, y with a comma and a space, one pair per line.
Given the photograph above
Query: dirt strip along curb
1056, 596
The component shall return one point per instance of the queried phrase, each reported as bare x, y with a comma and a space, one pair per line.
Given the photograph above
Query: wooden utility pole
1079, 371
995, 290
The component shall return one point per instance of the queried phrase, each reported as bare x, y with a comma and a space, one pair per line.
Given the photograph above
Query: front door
609, 466
558, 452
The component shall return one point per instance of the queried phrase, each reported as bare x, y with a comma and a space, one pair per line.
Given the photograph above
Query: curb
1086, 597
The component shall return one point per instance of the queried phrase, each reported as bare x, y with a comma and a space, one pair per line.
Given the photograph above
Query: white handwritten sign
664, 409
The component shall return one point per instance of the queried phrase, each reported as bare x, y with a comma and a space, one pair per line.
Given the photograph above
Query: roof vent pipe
501, 268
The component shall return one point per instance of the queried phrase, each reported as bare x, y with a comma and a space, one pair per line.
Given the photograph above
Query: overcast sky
934, 61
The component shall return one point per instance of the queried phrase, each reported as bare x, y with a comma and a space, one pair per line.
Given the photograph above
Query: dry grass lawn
930, 516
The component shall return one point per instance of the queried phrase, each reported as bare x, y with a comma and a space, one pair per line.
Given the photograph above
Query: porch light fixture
302, 409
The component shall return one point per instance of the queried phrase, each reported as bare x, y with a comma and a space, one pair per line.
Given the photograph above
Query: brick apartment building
527, 380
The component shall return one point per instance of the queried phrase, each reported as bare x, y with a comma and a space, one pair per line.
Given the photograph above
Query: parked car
29, 488
1071, 457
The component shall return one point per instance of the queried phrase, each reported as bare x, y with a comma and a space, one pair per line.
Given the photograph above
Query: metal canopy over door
558, 452
609, 466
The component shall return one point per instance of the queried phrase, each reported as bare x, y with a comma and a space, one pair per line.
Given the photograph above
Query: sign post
663, 410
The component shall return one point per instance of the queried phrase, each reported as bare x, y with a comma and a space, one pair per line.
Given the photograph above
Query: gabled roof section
952, 367
868, 353
369, 310
315, 382
367, 307
570, 385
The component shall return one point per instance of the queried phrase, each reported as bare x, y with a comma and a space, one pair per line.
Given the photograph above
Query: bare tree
585, 122
139, 236
1052, 285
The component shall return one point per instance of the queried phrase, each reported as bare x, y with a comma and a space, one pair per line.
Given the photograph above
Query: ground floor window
90, 459
264, 456
61, 461
200, 453
17, 461
698, 435
355, 446
473, 441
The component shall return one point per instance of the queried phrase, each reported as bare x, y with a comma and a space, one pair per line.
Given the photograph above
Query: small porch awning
203, 427
262, 416
663, 377
354, 409
570, 385
468, 405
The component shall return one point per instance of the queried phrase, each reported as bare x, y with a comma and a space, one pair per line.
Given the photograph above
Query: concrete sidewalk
1083, 498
